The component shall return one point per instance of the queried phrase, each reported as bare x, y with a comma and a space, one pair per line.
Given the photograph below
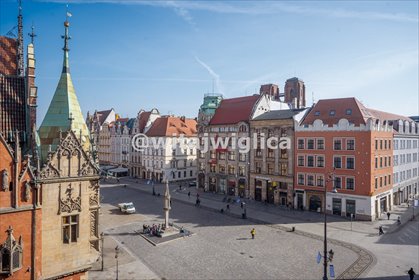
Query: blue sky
133, 55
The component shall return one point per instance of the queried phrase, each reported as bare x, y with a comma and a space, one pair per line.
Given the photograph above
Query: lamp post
116, 257
102, 235
331, 178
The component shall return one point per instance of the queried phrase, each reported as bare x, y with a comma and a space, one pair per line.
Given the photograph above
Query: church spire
64, 112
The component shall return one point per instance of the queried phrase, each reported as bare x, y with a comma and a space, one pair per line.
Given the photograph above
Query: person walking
189, 195
388, 215
380, 230
411, 273
253, 233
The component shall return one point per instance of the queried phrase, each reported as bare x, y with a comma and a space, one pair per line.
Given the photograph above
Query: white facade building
406, 161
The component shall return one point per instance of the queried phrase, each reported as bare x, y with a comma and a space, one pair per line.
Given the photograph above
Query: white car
127, 207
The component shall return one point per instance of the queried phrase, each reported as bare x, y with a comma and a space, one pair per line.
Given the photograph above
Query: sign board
416, 203
319, 257
332, 271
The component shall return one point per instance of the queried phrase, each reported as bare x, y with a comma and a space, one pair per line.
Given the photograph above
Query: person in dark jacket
411, 273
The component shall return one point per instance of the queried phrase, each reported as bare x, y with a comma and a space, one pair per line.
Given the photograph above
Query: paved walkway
341, 231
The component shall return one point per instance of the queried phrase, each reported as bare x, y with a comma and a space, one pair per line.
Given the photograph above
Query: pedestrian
241, 205
197, 195
180, 187
253, 233
196, 202
399, 222
380, 230
411, 273
388, 215
228, 206
189, 194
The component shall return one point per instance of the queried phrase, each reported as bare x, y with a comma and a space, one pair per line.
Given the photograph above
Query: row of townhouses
272, 148
367, 160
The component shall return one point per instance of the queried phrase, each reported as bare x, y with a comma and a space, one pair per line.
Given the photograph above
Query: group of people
154, 230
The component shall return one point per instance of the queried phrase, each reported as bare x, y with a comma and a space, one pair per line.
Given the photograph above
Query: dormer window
348, 112
332, 112
317, 113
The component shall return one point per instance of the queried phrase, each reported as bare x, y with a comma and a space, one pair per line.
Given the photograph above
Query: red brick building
342, 144
20, 208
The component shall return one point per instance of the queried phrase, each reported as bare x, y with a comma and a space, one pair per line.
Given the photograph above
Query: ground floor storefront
276, 190
351, 206
404, 192
225, 184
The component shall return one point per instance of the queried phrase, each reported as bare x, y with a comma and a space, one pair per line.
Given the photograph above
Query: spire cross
32, 34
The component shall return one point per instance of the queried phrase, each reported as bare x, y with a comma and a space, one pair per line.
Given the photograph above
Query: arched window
10, 254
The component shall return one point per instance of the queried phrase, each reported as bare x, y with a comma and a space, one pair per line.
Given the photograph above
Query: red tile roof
234, 110
172, 126
8, 56
142, 122
359, 114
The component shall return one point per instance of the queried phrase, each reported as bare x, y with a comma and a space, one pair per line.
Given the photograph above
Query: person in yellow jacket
253, 232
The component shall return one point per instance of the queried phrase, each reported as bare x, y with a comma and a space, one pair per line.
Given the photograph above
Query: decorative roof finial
66, 37
32, 34
20, 63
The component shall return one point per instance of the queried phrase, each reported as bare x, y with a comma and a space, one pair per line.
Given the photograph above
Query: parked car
192, 184
127, 208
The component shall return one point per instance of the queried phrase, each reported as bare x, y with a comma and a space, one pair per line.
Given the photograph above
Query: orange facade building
342, 145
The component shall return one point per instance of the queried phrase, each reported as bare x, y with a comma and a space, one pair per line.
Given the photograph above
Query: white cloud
215, 76
182, 8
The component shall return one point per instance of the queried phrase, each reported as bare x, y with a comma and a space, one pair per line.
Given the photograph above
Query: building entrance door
258, 194
315, 203
300, 200
383, 205
269, 192
337, 206
350, 208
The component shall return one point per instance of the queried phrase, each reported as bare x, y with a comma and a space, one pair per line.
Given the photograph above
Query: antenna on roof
312, 97
212, 85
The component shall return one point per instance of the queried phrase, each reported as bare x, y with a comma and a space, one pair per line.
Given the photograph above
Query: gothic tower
295, 93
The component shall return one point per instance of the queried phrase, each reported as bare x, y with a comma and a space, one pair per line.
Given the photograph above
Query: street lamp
116, 257
331, 178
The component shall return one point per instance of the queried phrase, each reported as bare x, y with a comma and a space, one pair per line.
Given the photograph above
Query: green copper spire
64, 111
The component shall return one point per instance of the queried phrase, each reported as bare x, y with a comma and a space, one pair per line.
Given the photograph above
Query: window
284, 153
70, 226
300, 160
381, 144
258, 167
348, 112
337, 162
231, 156
350, 144
320, 144
310, 180
376, 182
310, 144
350, 163
241, 170
179, 174
242, 157
338, 182
337, 144
284, 169
376, 144
271, 153
376, 162
301, 179
332, 112
301, 144
190, 173
381, 162
350, 183
212, 168
320, 161
222, 155
222, 169
258, 152
320, 181
310, 161
212, 154
270, 169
